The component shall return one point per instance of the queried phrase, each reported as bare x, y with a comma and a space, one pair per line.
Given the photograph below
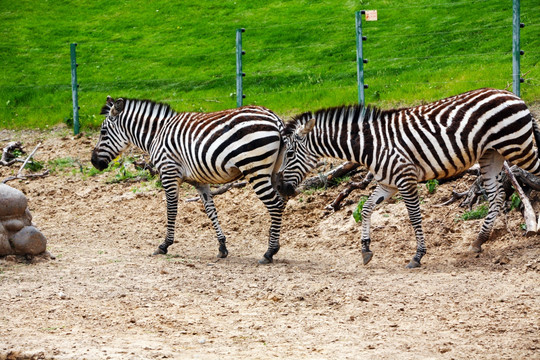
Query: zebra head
112, 139
298, 159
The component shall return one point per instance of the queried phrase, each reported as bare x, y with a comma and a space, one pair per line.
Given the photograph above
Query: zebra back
207, 147
439, 139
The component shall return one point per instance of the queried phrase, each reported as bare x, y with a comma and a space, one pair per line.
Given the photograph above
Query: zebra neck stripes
143, 119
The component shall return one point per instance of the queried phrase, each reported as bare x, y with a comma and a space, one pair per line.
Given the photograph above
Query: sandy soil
104, 297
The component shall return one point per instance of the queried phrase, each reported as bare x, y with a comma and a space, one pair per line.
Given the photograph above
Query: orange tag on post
371, 15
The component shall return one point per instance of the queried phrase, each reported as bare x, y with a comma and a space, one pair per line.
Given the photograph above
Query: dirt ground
104, 297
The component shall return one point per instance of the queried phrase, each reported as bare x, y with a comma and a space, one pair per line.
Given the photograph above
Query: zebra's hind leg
210, 208
491, 165
262, 185
380, 194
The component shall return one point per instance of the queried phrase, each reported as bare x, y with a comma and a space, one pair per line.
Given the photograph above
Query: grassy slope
300, 54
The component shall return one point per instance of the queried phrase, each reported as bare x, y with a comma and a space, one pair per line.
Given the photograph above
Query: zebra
199, 149
402, 147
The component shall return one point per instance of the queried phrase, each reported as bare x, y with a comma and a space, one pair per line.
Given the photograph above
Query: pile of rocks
17, 234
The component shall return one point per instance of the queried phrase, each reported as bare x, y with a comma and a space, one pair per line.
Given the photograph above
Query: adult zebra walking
402, 147
200, 149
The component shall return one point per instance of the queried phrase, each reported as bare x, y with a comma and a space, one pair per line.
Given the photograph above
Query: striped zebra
199, 149
402, 147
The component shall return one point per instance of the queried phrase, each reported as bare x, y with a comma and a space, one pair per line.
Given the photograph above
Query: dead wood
351, 186
26, 176
8, 158
528, 211
22, 176
325, 180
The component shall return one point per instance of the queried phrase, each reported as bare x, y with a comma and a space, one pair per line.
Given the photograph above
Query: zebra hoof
222, 254
159, 251
366, 256
413, 264
475, 248
265, 261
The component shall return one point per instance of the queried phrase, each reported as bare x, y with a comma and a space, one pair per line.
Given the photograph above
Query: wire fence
194, 76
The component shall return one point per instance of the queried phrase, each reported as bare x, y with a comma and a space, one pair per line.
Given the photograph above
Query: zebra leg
380, 194
409, 191
170, 185
490, 167
262, 184
209, 207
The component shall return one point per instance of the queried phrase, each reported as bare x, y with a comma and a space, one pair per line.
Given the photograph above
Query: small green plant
338, 180
124, 174
478, 213
17, 153
312, 190
357, 213
34, 165
85, 171
515, 201
62, 164
432, 185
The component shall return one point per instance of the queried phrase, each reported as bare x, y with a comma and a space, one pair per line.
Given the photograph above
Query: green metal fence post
239, 74
74, 89
516, 51
360, 61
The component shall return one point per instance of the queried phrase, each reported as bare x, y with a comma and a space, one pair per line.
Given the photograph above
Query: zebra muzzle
98, 163
286, 189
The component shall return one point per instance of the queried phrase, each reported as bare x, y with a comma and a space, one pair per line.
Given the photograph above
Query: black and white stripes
404, 146
200, 149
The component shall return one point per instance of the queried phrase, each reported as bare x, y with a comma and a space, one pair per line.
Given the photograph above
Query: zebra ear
107, 107
304, 130
118, 107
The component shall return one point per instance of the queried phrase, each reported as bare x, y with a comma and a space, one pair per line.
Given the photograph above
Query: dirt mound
104, 297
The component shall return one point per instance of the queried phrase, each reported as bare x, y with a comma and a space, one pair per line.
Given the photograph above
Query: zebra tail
536, 131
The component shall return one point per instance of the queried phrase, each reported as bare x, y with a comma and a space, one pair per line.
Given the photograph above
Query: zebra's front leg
262, 185
380, 194
210, 208
410, 196
170, 185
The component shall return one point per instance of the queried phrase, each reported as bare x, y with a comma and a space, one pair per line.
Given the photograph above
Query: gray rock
12, 202
5, 247
14, 225
17, 235
28, 241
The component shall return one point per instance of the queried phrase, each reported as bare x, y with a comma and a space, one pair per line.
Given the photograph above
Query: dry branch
528, 211
27, 176
7, 154
336, 204
20, 174
526, 178
322, 180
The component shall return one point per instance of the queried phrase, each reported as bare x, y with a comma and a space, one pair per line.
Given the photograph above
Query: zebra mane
108, 105
106, 108
344, 112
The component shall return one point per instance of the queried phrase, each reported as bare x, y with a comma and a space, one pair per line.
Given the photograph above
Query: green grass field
300, 55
